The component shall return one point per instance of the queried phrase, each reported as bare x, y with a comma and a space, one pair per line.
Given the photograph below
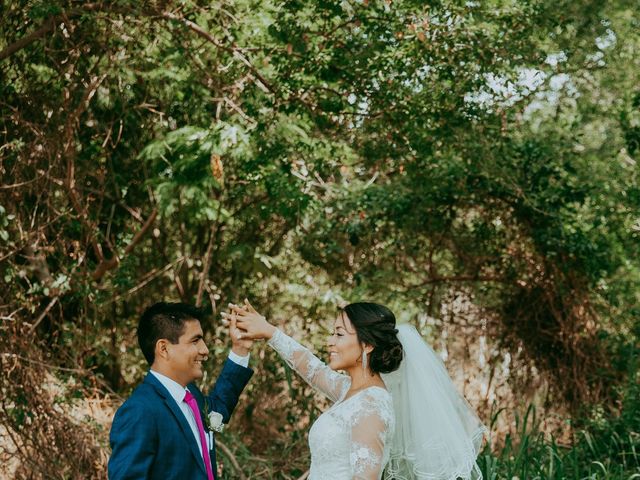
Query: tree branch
68, 152
264, 84
43, 314
205, 266
231, 458
149, 277
105, 265
49, 25
458, 278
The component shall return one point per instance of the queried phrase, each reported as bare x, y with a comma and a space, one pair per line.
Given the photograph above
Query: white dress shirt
178, 392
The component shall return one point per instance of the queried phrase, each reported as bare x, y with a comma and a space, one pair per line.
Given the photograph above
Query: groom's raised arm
224, 396
132, 443
234, 376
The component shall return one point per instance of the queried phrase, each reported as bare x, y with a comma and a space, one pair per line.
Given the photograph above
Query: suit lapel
179, 417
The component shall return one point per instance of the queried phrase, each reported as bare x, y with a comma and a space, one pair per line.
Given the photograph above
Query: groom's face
186, 357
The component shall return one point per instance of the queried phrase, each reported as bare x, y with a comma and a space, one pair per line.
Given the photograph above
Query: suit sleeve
133, 441
224, 396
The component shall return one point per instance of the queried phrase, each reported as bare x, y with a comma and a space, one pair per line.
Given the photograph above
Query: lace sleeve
368, 435
311, 368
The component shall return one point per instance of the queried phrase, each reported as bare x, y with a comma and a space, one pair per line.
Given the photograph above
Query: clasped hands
246, 325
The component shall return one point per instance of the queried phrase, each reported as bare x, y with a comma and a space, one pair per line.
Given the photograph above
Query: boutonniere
213, 420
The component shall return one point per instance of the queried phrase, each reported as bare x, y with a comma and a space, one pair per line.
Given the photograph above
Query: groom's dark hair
164, 320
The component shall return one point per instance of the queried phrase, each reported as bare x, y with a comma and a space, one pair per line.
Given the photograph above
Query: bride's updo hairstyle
376, 326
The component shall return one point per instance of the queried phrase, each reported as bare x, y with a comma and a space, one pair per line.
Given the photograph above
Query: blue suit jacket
150, 437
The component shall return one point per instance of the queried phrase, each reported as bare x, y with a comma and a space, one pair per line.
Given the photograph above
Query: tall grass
605, 446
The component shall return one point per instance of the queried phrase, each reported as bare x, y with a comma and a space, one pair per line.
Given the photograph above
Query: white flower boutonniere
215, 422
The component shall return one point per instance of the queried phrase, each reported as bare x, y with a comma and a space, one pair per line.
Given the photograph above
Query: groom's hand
239, 345
250, 322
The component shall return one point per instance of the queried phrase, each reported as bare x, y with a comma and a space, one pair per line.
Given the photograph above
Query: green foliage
302, 152
606, 447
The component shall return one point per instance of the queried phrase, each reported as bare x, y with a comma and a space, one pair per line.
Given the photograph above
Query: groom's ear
161, 349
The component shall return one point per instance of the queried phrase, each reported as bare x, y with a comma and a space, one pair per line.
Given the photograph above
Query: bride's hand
251, 324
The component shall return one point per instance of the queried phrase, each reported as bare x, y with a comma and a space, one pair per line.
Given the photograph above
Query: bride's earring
364, 361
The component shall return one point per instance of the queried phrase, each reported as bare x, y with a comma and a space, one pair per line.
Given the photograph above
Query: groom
160, 432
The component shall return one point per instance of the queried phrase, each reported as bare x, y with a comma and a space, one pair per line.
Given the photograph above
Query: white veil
437, 435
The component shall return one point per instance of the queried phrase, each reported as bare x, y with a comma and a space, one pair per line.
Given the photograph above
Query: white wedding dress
352, 439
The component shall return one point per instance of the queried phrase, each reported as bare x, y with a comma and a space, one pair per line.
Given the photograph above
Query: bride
395, 410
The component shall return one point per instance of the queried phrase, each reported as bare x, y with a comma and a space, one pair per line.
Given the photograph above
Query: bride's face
344, 349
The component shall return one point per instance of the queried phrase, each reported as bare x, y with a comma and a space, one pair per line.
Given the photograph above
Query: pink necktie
193, 405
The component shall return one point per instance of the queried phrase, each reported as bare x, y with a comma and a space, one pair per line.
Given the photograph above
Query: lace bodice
350, 440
